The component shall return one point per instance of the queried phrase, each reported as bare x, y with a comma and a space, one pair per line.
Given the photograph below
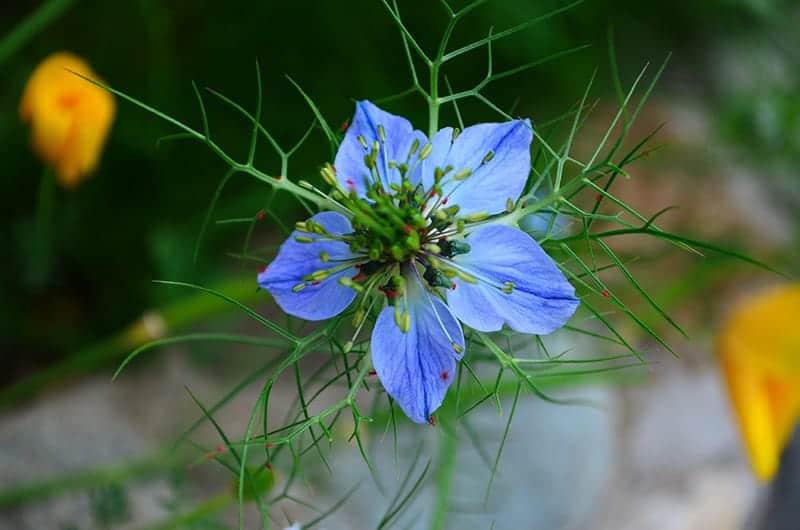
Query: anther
426, 151
299, 287
456, 132
463, 174
363, 142
508, 287
381, 133
488, 157
324, 257
510, 205
305, 184
477, 216
457, 348
303, 239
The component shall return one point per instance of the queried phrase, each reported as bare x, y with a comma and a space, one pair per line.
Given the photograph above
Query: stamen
426, 151
381, 133
362, 141
488, 157
299, 287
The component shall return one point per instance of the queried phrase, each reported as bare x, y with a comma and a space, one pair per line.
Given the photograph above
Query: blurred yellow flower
70, 118
759, 348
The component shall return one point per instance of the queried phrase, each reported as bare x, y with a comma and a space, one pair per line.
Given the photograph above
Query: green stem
448, 448
31, 26
433, 100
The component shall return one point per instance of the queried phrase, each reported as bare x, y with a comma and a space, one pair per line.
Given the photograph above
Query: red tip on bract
360, 277
268, 465
269, 445
605, 294
260, 215
391, 295
209, 456
350, 184
345, 125
315, 282
372, 372
262, 270
598, 197
408, 229
221, 448
432, 421
279, 177
445, 200
453, 286
445, 375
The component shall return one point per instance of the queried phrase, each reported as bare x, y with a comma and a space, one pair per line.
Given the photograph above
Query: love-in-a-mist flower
759, 349
70, 117
410, 238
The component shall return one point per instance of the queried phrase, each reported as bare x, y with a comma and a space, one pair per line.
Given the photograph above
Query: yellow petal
70, 118
759, 350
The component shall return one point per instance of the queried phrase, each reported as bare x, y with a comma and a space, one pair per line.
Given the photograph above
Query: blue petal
296, 260
546, 225
351, 171
417, 367
542, 299
491, 183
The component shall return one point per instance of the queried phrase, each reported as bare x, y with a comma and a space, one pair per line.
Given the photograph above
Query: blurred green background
138, 217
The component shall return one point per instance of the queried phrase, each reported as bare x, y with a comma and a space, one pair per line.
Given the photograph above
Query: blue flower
410, 237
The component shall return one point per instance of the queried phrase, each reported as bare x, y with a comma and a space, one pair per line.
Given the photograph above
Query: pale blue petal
296, 260
546, 225
417, 367
351, 171
542, 299
493, 182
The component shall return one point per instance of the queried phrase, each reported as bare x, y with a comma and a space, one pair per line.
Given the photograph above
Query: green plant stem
448, 448
31, 26
152, 325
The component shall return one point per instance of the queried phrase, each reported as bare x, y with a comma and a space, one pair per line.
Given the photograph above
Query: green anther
398, 317
426, 151
328, 175
432, 247
460, 224
303, 239
324, 257
374, 253
395, 187
369, 161
477, 216
305, 184
299, 287
508, 287
453, 210
461, 175
438, 173
466, 277
348, 346
414, 147
344, 281
435, 263
417, 220
358, 317
488, 157
406, 322
392, 164
453, 248
376, 146
301, 226
457, 348
440, 215
403, 169
450, 273
456, 132
399, 284
320, 274
397, 252
510, 205
362, 141
381, 133
412, 241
